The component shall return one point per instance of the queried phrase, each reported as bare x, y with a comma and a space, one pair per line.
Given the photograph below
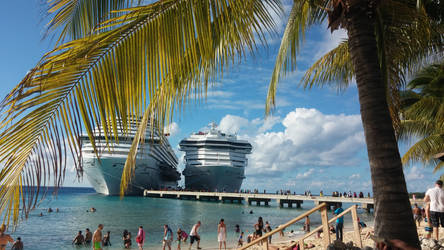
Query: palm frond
154, 54
335, 67
424, 151
303, 14
423, 116
412, 129
78, 18
427, 108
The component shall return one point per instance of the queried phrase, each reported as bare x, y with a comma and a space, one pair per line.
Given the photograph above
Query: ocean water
57, 230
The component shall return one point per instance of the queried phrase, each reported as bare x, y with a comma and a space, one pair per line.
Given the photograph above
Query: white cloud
268, 123
219, 93
330, 41
309, 138
414, 173
306, 174
173, 129
232, 124
354, 176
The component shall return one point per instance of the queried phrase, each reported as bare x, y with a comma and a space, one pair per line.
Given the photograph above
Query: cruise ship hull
105, 175
214, 178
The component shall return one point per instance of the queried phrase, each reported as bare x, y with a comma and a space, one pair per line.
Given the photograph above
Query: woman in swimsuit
222, 234
259, 227
4, 238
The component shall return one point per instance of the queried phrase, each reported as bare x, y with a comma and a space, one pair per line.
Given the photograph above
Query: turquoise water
57, 230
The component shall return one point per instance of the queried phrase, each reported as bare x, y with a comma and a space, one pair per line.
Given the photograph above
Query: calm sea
57, 230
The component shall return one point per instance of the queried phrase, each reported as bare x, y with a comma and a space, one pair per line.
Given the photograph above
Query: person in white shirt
436, 198
194, 235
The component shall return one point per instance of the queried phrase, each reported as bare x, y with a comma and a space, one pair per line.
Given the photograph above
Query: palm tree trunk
393, 214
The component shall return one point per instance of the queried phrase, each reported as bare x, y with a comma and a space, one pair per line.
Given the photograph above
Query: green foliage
422, 116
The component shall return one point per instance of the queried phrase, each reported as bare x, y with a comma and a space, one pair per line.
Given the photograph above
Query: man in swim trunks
194, 235
436, 198
97, 238
88, 237
79, 239
4, 238
417, 214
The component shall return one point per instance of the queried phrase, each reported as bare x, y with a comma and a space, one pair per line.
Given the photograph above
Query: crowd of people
98, 241
348, 194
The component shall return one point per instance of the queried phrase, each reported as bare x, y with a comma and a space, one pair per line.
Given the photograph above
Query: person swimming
237, 228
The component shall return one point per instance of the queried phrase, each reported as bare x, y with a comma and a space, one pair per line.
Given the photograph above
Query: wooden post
266, 243
325, 228
356, 231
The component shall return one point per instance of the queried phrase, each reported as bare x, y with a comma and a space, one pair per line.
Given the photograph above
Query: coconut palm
145, 61
148, 60
403, 36
422, 116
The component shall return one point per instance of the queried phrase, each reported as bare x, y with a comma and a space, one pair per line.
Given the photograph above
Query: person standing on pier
339, 221
194, 235
222, 234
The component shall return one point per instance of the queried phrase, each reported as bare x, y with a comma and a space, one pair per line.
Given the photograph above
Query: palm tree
402, 36
141, 61
422, 116
175, 48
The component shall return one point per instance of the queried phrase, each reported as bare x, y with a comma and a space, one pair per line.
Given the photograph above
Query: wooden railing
325, 227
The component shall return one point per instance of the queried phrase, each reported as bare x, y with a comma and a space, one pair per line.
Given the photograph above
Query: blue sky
314, 140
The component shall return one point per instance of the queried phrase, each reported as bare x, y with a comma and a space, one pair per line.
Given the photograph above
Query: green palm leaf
78, 18
405, 38
422, 116
303, 14
334, 68
146, 62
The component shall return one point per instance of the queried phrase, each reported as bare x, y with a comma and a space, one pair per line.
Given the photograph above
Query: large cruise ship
156, 162
214, 161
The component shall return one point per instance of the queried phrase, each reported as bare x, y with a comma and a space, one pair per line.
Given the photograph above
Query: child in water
240, 242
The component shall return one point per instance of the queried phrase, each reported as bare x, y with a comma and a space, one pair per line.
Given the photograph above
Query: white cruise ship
156, 162
214, 161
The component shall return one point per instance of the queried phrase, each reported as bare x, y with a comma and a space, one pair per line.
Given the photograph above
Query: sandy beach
284, 242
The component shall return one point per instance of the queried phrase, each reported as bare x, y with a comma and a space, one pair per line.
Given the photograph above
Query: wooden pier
289, 200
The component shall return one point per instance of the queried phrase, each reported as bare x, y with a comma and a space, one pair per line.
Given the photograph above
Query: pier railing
325, 227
